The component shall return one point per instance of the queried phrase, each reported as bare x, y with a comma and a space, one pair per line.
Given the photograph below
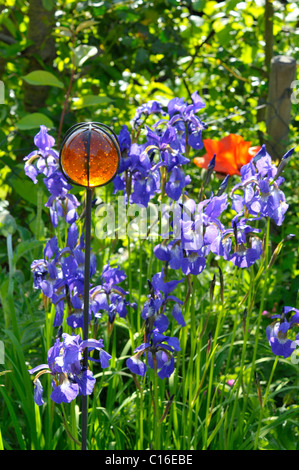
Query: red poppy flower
232, 152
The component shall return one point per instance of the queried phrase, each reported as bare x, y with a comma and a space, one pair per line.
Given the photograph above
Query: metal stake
86, 290
86, 307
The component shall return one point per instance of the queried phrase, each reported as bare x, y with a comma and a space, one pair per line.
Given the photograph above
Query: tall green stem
209, 407
130, 317
243, 356
157, 426
141, 420
193, 342
264, 403
262, 303
10, 262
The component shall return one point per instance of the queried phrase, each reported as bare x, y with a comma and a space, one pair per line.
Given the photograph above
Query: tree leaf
26, 246
34, 121
85, 24
23, 186
42, 78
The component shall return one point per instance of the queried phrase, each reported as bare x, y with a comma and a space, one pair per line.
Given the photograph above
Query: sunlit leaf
85, 25
91, 100
34, 121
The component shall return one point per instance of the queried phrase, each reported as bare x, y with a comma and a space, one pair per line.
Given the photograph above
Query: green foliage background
63, 62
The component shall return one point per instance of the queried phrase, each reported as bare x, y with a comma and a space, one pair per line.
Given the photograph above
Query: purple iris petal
51, 248
165, 287
38, 368
277, 332
295, 317
193, 264
66, 392
280, 344
69, 267
104, 359
124, 138
38, 392
175, 183
173, 342
177, 315
72, 236
47, 288
149, 309
167, 368
195, 138
31, 172
161, 323
75, 320
136, 366
246, 258
59, 312
43, 140
86, 382
162, 252
151, 107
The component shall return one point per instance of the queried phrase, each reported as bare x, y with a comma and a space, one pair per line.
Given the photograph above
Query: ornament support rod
86, 309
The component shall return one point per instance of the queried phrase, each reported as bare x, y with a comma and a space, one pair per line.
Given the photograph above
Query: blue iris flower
239, 244
277, 332
64, 364
109, 296
159, 351
158, 348
260, 185
45, 159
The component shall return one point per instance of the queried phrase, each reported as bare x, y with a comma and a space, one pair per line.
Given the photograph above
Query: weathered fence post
282, 74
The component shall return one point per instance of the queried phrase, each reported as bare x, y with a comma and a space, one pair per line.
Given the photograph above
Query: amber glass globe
90, 155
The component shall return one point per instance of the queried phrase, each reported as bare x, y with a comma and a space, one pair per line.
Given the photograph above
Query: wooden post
282, 74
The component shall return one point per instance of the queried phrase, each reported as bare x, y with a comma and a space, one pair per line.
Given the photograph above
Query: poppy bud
284, 161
